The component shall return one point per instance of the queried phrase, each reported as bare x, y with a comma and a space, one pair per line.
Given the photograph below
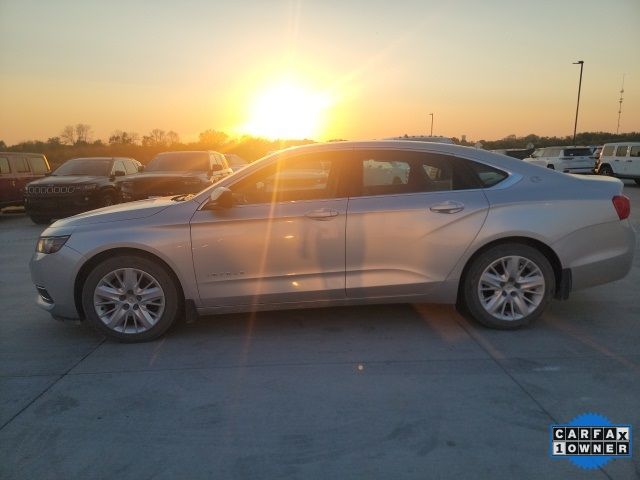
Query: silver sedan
341, 224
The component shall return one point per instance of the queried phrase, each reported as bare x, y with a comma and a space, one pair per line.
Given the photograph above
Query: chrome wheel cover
129, 300
511, 288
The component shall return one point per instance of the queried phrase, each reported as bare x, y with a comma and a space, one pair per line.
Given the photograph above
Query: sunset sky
325, 69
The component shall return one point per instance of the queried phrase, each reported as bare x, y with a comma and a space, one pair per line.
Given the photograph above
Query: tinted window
635, 151
607, 151
94, 167
552, 152
621, 151
4, 165
488, 176
307, 177
577, 152
19, 165
387, 172
179, 161
38, 165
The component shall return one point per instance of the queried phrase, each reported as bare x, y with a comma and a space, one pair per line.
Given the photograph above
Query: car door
413, 218
21, 175
622, 160
634, 161
8, 190
281, 241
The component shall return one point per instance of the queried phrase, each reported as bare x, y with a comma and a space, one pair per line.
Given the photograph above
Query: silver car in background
341, 224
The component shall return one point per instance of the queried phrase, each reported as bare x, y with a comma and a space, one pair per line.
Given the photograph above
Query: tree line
77, 141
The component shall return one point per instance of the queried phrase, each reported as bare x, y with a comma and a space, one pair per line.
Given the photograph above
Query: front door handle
322, 214
447, 207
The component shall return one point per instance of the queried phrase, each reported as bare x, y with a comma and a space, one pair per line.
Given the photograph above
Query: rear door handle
322, 214
447, 207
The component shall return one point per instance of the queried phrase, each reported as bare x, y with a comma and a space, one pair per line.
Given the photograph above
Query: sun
287, 110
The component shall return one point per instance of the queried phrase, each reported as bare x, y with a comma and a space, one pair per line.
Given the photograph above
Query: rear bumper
597, 254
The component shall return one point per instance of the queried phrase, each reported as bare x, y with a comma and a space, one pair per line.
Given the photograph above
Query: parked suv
16, 170
76, 186
176, 173
564, 159
620, 160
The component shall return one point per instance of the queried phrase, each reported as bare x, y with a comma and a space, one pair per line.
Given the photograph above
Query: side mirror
119, 173
216, 167
220, 197
141, 168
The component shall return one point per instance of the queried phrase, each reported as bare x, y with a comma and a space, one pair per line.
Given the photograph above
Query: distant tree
83, 134
120, 137
172, 138
54, 141
68, 135
155, 138
3, 146
97, 143
213, 138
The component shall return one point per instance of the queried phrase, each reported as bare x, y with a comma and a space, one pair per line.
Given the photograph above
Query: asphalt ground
388, 392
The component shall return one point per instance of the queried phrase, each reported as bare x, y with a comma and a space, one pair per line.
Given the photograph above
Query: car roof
622, 144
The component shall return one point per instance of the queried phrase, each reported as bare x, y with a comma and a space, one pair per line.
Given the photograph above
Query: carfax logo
590, 441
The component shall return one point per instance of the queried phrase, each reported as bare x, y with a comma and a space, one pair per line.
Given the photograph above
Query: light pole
431, 124
575, 125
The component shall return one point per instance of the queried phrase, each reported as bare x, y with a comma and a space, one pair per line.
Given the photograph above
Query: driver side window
307, 177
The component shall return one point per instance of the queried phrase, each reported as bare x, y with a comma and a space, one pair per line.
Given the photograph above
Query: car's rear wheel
40, 220
130, 299
637, 180
605, 170
508, 286
551, 166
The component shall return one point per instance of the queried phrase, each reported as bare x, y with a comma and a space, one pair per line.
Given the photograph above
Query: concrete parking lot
397, 391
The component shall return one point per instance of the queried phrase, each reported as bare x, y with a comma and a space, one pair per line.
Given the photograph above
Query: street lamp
575, 125
431, 124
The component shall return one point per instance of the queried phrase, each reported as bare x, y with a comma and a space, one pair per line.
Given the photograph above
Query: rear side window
19, 165
118, 165
635, 151
4, 166
607, 151
552, 152
38, 165
621, 151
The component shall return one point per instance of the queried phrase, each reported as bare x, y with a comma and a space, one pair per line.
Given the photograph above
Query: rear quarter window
487, 175
4, 166
635, 151
607, 151
621, 151
38, 165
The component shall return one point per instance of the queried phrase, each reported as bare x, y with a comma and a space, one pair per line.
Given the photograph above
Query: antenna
620, 102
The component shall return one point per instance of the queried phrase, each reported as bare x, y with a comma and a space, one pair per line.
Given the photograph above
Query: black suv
176, 173
78, 185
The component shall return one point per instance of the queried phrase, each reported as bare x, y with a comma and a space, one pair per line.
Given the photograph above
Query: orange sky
330, 69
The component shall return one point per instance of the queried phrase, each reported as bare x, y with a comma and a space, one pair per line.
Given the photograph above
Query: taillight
622, 206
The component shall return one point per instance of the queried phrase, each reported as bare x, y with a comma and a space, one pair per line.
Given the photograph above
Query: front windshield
94, 167
179, 162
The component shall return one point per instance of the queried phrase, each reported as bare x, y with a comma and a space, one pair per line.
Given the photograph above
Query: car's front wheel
606, 170
130, 299
508, 286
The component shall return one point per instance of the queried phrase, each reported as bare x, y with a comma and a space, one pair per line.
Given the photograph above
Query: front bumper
54, 276
60, 206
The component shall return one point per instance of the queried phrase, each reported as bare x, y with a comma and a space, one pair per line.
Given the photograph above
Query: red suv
16, 170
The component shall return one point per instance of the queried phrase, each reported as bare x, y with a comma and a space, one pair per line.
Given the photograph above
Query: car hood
67, 180
123, 211
146, 175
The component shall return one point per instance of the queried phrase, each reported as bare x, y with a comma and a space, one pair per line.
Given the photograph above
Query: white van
620, 160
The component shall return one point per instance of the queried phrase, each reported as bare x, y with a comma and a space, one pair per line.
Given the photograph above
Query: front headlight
51, 244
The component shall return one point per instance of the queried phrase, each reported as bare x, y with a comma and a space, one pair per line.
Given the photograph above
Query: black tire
551, 167
637, 180
40, 220
605, 170
173, 302
471, 296
107, 199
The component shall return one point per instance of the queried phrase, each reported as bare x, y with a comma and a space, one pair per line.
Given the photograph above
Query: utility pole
431, 124
620, 102
575, 125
